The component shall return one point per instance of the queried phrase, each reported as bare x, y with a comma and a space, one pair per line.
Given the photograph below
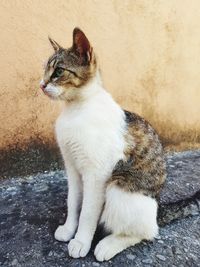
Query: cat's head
68, 70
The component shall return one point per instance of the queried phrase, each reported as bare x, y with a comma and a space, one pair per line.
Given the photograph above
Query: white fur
130, 213
53, 91
112, 245
131, 217
90, 134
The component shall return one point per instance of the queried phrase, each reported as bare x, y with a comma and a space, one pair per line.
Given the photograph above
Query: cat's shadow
99, 234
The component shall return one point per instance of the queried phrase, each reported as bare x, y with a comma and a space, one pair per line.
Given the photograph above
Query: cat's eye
57, 72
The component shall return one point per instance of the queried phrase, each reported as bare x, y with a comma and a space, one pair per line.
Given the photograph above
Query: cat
114, 159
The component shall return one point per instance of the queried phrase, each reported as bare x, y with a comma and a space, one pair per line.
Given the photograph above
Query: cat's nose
43, 85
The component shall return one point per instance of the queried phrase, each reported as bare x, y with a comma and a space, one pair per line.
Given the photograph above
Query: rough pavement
32, 207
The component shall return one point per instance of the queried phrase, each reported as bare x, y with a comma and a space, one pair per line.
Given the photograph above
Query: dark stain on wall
34, 157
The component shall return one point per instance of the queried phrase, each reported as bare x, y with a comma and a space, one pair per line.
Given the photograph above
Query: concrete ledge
33, 206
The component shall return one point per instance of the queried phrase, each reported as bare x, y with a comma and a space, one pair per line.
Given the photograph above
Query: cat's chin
53, 97
53, 92
63, 97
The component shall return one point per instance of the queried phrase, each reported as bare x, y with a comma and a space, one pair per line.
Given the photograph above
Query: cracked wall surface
149, 52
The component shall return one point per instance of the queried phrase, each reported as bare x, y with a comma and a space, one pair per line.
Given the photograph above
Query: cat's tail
180, 209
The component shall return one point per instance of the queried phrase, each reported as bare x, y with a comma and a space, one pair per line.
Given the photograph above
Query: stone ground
32, 207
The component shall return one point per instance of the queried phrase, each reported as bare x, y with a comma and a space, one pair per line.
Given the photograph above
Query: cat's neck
88, 91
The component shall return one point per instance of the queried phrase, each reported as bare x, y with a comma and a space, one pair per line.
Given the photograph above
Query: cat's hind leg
112, 245
131, 217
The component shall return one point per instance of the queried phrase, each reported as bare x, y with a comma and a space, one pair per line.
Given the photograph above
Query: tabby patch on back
144, 169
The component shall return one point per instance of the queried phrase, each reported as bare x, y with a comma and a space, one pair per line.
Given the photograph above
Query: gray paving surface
183, 176
33, 206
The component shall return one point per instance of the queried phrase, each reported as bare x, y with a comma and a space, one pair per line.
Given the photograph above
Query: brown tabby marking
144, 170
78, 63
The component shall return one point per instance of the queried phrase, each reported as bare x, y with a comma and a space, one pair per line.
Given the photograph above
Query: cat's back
146, 139
145, 168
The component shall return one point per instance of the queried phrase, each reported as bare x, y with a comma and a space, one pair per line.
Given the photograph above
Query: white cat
114, 159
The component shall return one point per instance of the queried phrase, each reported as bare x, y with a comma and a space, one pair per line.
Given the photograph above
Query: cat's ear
82, 45
54, 44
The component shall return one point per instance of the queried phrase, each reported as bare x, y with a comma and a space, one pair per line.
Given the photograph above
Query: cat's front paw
63, 234
78, 249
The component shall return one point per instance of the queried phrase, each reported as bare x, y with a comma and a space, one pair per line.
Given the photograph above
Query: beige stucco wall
149, 53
